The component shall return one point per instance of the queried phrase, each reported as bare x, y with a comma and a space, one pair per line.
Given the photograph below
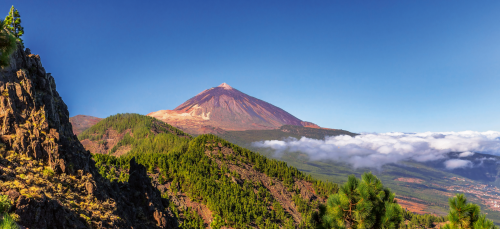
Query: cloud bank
466, 154
375, 150
457, 163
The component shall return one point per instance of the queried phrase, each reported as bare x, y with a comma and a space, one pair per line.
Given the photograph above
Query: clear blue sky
373, 66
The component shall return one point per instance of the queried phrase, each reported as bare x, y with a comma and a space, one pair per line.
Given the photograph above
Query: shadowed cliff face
226, 108
36, 135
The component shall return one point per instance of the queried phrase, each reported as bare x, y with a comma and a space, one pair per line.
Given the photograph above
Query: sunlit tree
465, 215
13, 23
364, 203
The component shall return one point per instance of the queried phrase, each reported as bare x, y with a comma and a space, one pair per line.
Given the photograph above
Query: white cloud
374, 150
457, 163
466, 154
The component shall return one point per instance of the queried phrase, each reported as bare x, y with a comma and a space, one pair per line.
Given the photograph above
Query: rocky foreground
46, 172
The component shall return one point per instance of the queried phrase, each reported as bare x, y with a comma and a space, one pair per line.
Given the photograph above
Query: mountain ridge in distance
226, 108
82, 122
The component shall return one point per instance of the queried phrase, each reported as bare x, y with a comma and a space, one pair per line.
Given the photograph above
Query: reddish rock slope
82, 122
228, 109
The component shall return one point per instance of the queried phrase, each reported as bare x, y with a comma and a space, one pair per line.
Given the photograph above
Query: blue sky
363, 66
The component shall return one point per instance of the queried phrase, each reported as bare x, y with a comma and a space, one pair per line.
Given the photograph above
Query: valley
424, 157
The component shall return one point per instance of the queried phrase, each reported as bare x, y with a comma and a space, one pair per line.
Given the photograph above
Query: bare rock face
35, 124
35, 120
226, 108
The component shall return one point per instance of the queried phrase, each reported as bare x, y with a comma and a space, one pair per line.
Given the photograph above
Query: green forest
190, 166
241, 188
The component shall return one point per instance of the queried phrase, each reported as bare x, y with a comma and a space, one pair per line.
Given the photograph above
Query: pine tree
465, 215
13, 23
363, 203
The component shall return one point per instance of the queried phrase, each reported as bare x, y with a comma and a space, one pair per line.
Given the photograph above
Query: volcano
224, 108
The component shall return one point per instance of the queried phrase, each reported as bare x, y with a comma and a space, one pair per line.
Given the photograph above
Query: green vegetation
244, 138
13, 23
203, 169
6, 221
466, 215
364, 203
416, 221
144, 134
7, 45
433, 174
198, 175
141, 126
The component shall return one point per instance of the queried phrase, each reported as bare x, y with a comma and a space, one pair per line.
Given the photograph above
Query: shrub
7, 221
48, 173
8, 45
4, 204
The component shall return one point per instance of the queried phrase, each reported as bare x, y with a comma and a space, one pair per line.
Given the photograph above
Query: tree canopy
13, 23
465, 215
364, 203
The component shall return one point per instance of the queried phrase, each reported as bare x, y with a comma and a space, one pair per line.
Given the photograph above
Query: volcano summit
225, 108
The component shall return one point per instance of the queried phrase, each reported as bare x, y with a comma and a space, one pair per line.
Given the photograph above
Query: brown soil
80, 123
110, 138
122, 150
410, 180
412, 206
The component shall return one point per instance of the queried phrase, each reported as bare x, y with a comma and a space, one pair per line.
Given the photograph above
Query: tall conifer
13, 23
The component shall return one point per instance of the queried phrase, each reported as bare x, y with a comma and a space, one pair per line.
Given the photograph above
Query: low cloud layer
466, 154
374, 150
457, 163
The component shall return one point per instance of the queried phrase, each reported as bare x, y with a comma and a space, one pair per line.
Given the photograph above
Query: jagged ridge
35, 130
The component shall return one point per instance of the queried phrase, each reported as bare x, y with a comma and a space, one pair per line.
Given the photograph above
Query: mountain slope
229, 109
245, 138
421, 187
216, 181
206, 176
47, 174
121, 133
82, 122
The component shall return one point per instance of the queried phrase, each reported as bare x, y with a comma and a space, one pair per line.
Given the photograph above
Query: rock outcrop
36, 134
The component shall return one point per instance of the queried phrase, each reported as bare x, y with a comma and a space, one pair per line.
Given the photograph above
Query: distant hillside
245, 138
121, 133
82, 122
226, 108
421, 187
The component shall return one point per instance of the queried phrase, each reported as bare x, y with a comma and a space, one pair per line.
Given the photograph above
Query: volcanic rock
226, 108
35, 128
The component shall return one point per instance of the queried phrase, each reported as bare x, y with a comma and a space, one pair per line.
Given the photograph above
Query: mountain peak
225, 86
228, 109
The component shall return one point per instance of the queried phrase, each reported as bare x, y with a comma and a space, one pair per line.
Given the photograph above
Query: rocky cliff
48, 174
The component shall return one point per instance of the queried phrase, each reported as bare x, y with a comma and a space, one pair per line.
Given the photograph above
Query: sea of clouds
374, 150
